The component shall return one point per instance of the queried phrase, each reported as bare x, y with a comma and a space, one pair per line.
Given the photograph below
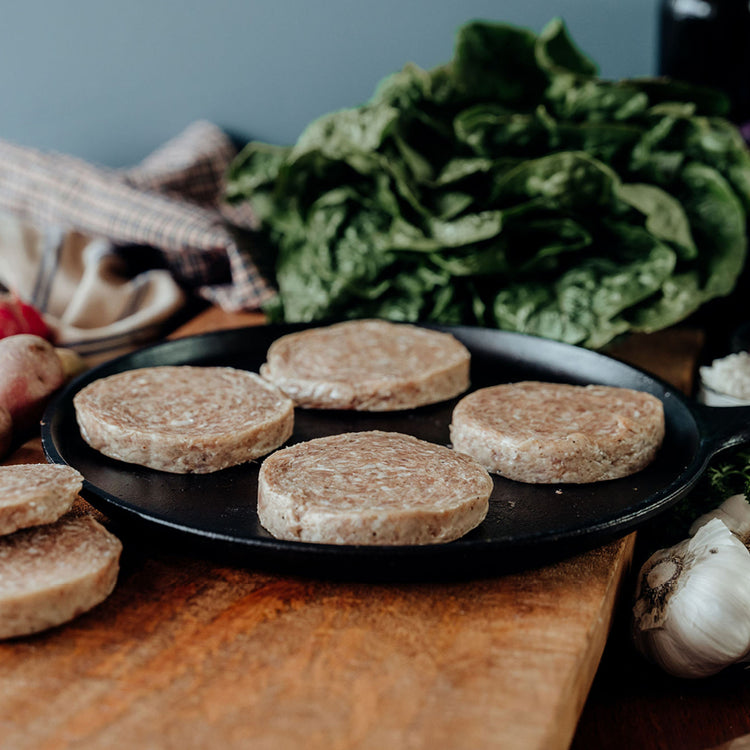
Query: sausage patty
371, 488
184, 419
368, 365
551, 432
32, 494
53, 572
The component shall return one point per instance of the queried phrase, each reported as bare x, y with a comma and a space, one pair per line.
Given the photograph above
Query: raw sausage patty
53, 572
32, 494
184, 419
550, 432
371, 488
368, 365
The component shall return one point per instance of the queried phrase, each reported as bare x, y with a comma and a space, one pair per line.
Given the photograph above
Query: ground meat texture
54, 572
549, 432
32, 494
373, 488
184, 419
368, 365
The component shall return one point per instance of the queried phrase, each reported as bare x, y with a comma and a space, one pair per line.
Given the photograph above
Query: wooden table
193, 653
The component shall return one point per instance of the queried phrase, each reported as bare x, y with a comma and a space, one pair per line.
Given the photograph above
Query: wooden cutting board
190, 653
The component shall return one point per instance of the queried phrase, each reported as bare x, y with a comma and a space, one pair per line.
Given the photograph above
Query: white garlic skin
692, 609
735, 512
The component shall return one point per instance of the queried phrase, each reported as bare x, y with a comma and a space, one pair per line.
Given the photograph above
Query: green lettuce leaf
510, 187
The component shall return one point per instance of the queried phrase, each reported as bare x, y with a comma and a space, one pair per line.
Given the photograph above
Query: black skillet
527, 525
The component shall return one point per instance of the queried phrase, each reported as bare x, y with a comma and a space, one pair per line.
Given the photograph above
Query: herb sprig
729, 475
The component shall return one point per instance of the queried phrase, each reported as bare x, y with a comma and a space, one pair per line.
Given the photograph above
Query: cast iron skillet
527, 525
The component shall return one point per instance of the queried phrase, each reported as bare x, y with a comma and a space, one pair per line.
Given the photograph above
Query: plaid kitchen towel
71, 234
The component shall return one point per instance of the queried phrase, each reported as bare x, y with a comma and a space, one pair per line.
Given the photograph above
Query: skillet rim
268, 550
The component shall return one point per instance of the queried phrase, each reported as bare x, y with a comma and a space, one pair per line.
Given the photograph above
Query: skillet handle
723, 426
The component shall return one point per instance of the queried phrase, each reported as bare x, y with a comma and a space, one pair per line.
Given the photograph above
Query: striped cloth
72, 232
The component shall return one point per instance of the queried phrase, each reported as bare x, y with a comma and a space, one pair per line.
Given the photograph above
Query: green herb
727, 474
511, 187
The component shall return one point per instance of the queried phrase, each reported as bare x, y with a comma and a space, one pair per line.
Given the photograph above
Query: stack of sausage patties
54, 563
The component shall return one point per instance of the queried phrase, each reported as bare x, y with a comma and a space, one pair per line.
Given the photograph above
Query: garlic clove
734, 511
692, 609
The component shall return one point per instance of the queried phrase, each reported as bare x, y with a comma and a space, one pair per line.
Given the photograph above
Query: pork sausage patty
54, 572
32, 494
184, 419
368, 365
371, 488
551, 432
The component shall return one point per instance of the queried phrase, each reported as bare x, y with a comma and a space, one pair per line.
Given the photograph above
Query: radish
17, 316
30, 371
6, 431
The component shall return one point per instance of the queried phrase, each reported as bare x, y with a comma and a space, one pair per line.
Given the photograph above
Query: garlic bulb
735, 512
692, 609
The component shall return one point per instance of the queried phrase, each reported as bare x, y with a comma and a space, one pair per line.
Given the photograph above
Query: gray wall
111, 81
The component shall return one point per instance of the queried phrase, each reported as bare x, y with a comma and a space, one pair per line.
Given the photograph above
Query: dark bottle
707, 42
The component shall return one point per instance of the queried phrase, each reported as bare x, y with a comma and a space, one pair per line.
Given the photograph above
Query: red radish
30, 371
17, 316
32, 318
6, 431
9, 324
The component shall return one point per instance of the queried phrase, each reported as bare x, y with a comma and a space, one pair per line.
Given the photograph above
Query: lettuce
511, 187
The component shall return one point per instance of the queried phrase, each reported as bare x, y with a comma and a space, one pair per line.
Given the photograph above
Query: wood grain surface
193, 653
